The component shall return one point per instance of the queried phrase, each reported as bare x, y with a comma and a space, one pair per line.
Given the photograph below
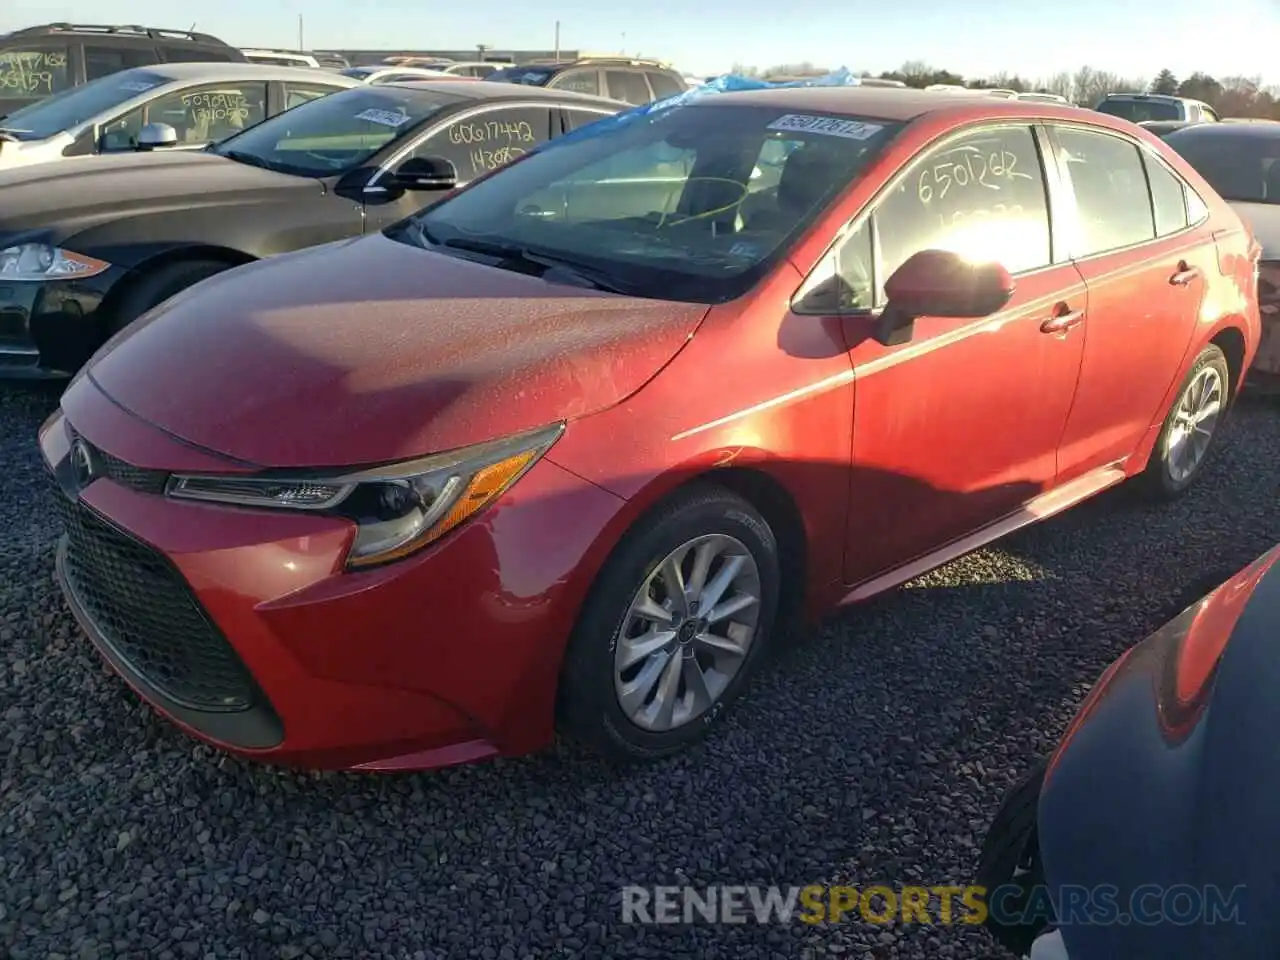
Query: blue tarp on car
729, 83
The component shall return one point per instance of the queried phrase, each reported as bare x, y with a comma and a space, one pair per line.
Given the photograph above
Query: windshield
1239, 167
694, 204
532, 76
334, 134
1137, 111
69, 109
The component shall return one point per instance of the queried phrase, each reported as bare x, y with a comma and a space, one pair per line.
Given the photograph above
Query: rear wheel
676, 622
1191, 428
1010, 860
157, 286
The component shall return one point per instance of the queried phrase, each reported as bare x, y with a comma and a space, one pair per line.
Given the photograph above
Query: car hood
77, 193
370, 350
1168, 776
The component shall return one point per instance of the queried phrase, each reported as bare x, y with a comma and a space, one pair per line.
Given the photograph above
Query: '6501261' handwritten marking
991, 168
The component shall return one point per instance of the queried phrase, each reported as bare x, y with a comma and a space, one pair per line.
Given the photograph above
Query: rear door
1140, 239
32, 70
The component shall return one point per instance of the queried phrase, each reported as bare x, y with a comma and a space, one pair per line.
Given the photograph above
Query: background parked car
1137, 107
633, 81
281, 58
154, 223
38, 62
1242, 161
202, 103
1165, 780
396, 74
1162, 128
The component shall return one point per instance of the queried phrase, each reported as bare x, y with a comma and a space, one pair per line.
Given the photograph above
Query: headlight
398, 509
39, 261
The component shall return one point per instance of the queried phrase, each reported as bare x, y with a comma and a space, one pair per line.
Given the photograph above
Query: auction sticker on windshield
829, 126
388, 118
137, 86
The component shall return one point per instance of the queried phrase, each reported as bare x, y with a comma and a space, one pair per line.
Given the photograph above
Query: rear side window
299, 93
1168, 198
579, 81
101, 60
664, 85
28, 72
628, 86
982, 196
1113, 208
580, 118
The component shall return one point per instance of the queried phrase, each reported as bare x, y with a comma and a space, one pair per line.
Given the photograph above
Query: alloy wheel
687, 632
1195, 421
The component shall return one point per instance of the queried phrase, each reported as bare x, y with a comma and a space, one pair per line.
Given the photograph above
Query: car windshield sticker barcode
830, 126
388, 118
137, 86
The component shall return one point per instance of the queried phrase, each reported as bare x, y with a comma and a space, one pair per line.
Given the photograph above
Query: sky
1037, 39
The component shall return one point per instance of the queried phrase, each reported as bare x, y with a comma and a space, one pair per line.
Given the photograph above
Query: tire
1161, 480
1011, 857
156, 286
590, 697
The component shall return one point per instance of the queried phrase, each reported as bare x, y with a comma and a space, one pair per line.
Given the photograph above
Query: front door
475, 143
1145, 265
959, 426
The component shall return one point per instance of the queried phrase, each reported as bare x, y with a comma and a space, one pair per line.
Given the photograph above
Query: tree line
1230, 96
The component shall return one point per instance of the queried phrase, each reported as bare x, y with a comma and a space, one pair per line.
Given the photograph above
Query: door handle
1184, 275
1063, 319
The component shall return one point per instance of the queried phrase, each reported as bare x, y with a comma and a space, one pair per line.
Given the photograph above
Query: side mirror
939, 283
425, 173
155, 136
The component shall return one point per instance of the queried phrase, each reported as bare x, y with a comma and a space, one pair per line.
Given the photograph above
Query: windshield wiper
512, 253
251, 159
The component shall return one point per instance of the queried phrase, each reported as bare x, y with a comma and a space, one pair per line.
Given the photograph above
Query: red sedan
571, 443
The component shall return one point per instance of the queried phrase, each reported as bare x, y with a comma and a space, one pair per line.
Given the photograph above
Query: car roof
489, 90
245, 71
888, 103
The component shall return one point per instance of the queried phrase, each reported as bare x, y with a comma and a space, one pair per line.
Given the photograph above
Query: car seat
807, 175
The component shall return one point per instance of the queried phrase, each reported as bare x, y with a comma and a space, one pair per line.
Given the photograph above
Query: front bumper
49, 330
243, 629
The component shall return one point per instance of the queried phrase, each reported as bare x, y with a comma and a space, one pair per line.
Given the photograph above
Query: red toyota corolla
569, 444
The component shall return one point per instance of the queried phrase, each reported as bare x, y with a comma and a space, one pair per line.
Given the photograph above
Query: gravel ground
874, 750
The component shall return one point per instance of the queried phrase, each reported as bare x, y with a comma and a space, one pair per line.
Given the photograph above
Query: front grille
142, 479
144, 610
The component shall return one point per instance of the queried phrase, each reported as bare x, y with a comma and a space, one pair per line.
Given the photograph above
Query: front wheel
1191, 427
674, 625
1010, 863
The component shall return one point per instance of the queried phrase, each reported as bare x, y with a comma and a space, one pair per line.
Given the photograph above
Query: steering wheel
666, 220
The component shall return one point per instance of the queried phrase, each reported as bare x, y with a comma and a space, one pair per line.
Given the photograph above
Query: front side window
178, 53
844, 281
335, 134
38, 70
199, 115
982, 196
579, 81
102, 60
530, 76
80, 105
1113, 208
658, 204
488, 140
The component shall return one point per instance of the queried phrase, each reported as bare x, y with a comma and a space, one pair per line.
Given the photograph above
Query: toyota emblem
81, 463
